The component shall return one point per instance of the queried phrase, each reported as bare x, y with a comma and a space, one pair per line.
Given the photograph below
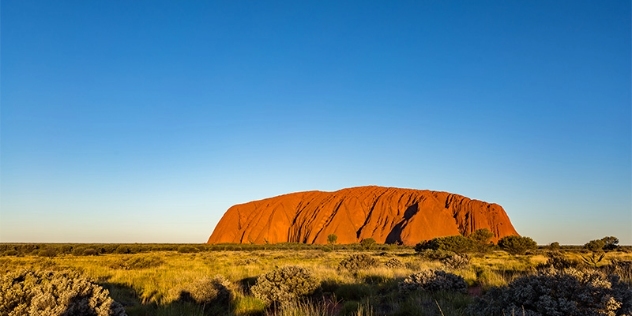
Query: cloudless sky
143, 121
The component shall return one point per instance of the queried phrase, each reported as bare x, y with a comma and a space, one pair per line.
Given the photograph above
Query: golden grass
164, 284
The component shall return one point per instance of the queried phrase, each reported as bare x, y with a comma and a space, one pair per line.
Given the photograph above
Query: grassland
154, 282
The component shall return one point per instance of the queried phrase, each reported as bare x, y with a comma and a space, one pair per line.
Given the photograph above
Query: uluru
388, 215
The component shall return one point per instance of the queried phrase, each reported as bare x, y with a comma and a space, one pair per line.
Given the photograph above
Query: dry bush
207, 291
456, 261
394, 263
357, 262
566, 292
284, 285
47, 293
556, 260
433, 281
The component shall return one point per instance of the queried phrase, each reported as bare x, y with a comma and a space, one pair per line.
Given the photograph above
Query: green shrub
517, 245
595, 245
54, 293
458, 244
433, 281
554, 246
285, 284
606, 243
368, 243
90, 252
567, 292
188, 249
357, 262
47, 252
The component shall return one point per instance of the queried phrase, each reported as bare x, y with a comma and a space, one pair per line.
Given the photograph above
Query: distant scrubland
453, 275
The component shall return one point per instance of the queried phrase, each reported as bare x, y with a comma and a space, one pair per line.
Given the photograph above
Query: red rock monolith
388, 215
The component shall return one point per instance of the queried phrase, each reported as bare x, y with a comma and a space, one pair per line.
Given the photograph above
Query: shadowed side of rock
388, 215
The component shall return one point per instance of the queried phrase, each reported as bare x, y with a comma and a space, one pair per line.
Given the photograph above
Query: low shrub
558, 261
566, 292
433, 281
458, 244
54, 293
188, 249
621, 268
456, 261
394, 263
431, 254
357, 262
211, 291
368, 243
284, 285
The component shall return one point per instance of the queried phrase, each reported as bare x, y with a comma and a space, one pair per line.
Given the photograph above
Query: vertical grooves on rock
385, 214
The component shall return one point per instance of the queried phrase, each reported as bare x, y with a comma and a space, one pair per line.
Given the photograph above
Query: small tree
481, 239
595, 245
482, 236
554, 246
610, 243
332, 239
517, 244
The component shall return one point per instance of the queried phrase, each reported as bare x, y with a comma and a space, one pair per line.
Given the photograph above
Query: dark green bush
11, 253
458, 244
48, 252
90, 252
357, 262
368, 243
284, 285
517, 245
606, 243
595, 245
566, 292
54, 293
433, 281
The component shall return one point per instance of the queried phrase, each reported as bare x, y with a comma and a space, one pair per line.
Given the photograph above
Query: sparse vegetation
222, 280
54, 293
559, 292
457, 244
517, 245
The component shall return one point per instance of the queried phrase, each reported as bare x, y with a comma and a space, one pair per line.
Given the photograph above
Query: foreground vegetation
363, 279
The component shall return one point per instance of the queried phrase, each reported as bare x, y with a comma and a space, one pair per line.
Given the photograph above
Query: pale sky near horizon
143, 121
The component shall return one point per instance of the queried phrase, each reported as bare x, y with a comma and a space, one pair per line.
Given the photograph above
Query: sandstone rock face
388, 215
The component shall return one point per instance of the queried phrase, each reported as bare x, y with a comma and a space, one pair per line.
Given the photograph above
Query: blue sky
143, 121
